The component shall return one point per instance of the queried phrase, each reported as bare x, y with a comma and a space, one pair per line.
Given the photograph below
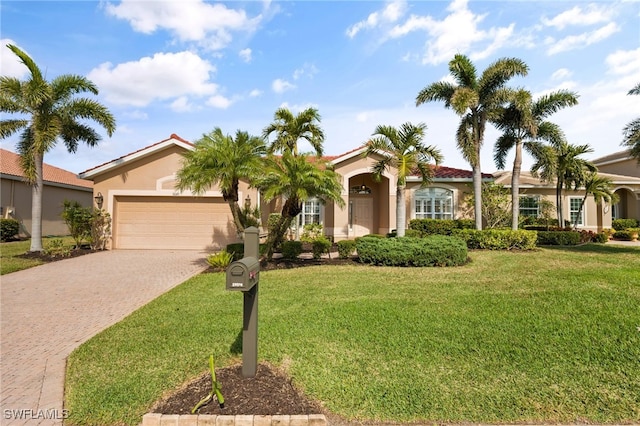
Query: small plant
78, 219
320, 246
346, 248
311, 232
215, 389
220, 260
291, 249
9, 228
56, 248
100, 229
600, 237
622, 224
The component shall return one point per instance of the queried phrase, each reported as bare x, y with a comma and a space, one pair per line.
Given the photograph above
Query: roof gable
10, 166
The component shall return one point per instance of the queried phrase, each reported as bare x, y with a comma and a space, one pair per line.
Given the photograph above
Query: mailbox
243, 274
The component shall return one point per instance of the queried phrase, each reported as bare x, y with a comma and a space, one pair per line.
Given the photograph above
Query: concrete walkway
49, 310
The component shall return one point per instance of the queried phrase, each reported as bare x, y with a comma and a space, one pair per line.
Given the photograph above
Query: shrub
220, 260
100, 229
237, 250
78, 219
320, 246
346, 248
600, 237
291, 249
628, 234
622, 224
558, 238
392, 234
436, 250
433, 226
56, 248
273, 221
498, 239
311, 232
466, 223
9, 228
413, 233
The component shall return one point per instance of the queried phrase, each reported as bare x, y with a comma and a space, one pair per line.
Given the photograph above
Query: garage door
172, 223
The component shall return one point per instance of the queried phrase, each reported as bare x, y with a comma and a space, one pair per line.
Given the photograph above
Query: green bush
600, 237
498, 239
433, 226
435, 250
237, 250
413, 233
78, 219
273, 221
9, 228
311, 232
56, 248
320, 246
466, 223
220, 260
346, 248
622, 224
291, 249
628, 234
558, 238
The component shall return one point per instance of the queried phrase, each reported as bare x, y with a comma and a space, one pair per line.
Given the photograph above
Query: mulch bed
49, 258
270, 392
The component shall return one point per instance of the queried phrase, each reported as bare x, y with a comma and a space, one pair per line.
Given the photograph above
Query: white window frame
528, 196
426, 199
318, 210
572, 212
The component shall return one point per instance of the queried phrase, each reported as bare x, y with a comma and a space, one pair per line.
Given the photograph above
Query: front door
362, 211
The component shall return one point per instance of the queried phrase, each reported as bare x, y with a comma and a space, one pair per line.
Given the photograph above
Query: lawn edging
157, 419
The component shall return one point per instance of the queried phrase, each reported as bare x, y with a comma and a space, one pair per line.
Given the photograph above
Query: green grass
9, 252
548, 336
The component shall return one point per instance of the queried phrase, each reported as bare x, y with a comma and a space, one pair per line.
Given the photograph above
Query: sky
189, 66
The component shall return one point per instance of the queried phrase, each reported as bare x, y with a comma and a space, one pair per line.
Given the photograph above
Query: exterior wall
460, 191
628, 167
17, 194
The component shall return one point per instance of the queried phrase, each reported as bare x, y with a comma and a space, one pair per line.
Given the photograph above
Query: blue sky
186, 67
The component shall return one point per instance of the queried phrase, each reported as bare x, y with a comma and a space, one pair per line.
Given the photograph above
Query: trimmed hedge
438, 226
558, 238
498, 239
291, 249
346, 248
320, 246
622, 224
628, 234
237, 250
9, 228
436, 250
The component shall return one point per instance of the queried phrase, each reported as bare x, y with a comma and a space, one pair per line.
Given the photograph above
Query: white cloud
163, 76
136, 115
193, 20
10, 65
219, 101
245, 54
280, 86
182, 104
392, 11
307, 69
582, 40
590, 15
623, 62
561, 74
363, 117
255, 93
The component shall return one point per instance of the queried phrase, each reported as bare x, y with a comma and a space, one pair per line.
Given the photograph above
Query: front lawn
551, 336
10, 260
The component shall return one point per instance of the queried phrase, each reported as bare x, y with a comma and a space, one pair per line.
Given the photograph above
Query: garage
178, 222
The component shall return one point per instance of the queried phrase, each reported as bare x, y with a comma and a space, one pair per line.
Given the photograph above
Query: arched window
433, 203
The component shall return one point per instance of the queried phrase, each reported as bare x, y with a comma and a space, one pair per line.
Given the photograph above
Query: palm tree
560, 162
601, 189
219, 159
49, 112
403, 150
289, 129
295, 179
521, 121
475, 100
631, 131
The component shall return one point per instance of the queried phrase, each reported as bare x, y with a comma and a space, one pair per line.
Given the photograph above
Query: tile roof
10, 165
620, 155
443, 172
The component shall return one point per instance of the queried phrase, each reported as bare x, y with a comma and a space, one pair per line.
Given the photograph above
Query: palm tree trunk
477, 194
235, 212
401, 211
515, 187
36, 204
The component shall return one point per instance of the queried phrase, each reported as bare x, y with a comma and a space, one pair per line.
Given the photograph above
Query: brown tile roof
443, 172
10, 165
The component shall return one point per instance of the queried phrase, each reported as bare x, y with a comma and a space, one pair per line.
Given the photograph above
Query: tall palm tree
289, 129
521, 121
403, 150
631, 131
49, 112
474, 98
222, 160
295, 179
560, 162
602, 190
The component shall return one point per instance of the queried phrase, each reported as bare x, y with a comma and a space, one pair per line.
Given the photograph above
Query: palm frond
463, 71
438, 91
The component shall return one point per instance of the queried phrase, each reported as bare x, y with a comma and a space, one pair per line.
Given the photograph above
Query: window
574, 206
529, 205
433, 203
310, 212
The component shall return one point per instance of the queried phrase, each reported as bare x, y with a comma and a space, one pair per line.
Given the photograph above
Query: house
138, 190
59, 185
624, 165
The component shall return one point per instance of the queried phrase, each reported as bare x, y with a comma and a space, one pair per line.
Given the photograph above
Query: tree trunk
477, 193
515, 187
401, 210
292, 208
36, 205
235, 212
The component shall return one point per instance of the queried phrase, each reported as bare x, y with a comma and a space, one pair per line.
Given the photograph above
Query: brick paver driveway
49, 310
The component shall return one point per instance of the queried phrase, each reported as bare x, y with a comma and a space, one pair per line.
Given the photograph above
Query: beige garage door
172, 223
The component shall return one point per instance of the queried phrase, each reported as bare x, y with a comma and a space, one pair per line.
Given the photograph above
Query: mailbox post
244, 275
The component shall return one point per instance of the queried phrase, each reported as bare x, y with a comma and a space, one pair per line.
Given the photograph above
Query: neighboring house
59, 185
138, 190
621, 163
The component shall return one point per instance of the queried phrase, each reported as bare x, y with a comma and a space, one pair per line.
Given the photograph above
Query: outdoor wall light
99, 199
247, 202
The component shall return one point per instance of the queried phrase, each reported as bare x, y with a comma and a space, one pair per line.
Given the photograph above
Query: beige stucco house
59, 185
626, 186
138, 190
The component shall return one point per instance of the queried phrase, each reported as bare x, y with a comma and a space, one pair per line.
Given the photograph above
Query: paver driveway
49, 310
